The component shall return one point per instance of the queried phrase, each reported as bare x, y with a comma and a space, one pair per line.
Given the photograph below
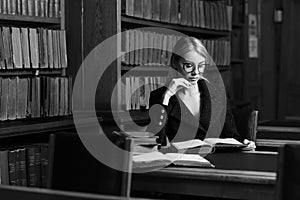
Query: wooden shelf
237, 25
161, 68
31, 126
146, 68
29, 19
178, 27
30, 72
237, 61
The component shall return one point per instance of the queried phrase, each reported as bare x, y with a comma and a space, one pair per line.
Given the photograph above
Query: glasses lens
188, 67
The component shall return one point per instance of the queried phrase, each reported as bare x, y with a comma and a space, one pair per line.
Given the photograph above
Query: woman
185, 103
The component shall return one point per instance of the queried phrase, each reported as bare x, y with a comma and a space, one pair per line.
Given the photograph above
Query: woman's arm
158, 114
230, 131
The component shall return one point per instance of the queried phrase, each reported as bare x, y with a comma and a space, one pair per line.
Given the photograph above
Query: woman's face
192, 66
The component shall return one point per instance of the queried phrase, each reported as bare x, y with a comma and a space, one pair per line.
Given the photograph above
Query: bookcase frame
26, 126
101, 20
124, 21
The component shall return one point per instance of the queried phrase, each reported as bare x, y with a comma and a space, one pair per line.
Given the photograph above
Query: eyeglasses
190, 67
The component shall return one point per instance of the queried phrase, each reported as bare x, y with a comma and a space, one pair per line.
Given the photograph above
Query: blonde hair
185, 45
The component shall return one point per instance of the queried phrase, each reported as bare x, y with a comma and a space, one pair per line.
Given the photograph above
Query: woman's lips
193, 79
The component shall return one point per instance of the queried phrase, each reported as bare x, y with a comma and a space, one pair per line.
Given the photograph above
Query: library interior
149, 99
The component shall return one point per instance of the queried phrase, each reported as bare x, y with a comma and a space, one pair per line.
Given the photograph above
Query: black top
177, 120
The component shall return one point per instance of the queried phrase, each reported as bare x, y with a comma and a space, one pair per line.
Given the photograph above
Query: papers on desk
206, 146
224, 142
155, 159
186, 153
195, 146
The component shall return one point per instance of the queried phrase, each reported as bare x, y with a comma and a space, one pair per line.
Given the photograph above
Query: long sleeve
229, 130
158, 115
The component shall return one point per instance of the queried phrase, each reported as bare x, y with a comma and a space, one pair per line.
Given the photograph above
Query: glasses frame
184, 67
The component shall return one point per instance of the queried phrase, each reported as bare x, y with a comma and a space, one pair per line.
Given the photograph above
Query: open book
158, 159
208, 145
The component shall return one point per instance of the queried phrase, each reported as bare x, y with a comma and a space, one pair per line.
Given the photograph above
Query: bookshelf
34, 86
8, 18
33, 60
99, 24
208, 21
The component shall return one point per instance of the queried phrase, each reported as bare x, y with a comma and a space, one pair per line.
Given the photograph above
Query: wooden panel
254, 177
289, 60
100, 21
24, 193
268, 58
73, 31
252, 71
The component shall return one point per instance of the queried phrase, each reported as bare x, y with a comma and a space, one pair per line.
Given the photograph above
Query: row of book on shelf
24, 165
38, 8
134, 40
34, 97
216, 15
136, 91
32, 48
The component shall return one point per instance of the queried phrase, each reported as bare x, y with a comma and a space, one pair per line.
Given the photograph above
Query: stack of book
143, 142
161, 45
24, 165
32, 48
215, 15
34, 97
37, 8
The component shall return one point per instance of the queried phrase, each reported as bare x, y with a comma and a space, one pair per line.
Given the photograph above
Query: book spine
42, 8
44, 165
1, 7
4, 7
24, 7
156, 10
56, 8
147, 6
174, 14
36, 8
51, 8
46, 8
22, 167
31, 10
12, 167
19, 7
4, 167
13, 7
32, 177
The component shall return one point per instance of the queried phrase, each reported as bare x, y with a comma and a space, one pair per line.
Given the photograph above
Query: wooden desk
236, 176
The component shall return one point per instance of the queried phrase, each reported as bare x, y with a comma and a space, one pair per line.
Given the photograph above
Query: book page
188, 159
149, 157
185, 157
189, 144
230, 141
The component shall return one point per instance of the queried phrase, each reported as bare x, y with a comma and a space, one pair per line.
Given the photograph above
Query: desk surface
236, 176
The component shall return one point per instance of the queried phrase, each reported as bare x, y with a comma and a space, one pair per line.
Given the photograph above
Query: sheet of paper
222, 140
189, 144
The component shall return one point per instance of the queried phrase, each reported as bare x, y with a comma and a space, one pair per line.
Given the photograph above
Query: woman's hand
174, 86
250, 145
177, 84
